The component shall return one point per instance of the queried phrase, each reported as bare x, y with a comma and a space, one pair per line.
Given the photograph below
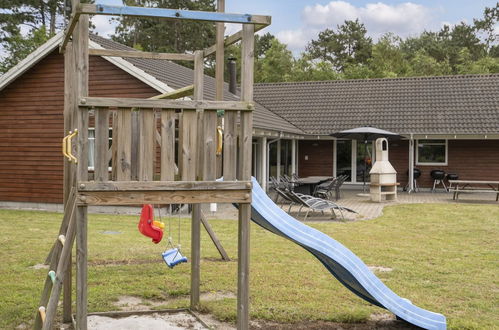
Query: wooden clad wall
320, 158
31, 125
470, 159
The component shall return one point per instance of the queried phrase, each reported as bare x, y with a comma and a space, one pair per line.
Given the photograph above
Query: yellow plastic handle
220, 140
69, 146
64, 147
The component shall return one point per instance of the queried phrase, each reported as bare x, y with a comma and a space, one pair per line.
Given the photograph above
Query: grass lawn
444, 258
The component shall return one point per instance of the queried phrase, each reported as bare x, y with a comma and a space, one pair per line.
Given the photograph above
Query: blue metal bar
174, 13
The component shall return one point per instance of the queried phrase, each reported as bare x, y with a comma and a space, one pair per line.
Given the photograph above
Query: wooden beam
69, 31
114, 102
176, 94
230, 40
173, 14
140, 54
214, 238
163, 197
93, 186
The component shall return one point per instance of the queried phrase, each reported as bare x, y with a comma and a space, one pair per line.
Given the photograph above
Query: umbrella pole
365, 167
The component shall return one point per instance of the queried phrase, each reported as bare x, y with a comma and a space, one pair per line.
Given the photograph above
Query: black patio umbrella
365, 134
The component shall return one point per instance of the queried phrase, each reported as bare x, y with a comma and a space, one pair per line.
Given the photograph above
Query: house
451, 122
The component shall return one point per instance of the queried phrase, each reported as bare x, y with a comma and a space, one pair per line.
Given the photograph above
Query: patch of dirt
175, 321
388, 324
380, 269
121, 262
40, 266
131, 303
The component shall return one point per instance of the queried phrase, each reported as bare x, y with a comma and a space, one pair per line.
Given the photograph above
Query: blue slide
340, 261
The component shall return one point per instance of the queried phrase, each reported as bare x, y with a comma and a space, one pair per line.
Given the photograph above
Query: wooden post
219, 73
80, 53
82, 271
245, 145
190, 166
69, 168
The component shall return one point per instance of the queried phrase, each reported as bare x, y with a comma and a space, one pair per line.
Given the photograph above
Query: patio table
311, 182
474, 186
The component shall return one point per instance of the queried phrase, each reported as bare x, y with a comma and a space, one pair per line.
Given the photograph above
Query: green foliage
42, 19
160, 35
347, 45
20, 46
276, 65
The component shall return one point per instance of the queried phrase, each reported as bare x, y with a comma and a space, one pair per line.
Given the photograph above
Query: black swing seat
173, 257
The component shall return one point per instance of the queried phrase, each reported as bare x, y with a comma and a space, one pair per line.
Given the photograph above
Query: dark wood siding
320, 158
470, 159
31, 125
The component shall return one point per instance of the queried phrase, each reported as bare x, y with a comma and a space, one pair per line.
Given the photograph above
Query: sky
296, 22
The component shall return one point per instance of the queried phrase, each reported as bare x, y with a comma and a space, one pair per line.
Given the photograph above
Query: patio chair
282, 193
316, 204
324, 189
337, 185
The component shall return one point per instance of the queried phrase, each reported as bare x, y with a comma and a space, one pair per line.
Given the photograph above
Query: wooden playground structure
135, 178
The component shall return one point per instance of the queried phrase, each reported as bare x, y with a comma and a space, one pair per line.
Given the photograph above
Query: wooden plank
139, 54
80, 46
81, 268
198, 96
173, 14
230, 146
176, 94
114, 147
75, 16
244, 173
101, 163
146, 145
163, 197
214, 237
189, 145
243, 266
135, 145
230, 40
123, 145
195, 257
89, 186
69, 173
197, 146
167, 145
62, 265
114, 102
209, 165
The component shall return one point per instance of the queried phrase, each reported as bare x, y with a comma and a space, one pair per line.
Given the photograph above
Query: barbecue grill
451, 176
438, 177
416, 174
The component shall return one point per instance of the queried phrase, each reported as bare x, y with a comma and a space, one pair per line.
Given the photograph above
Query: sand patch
380, 269
176, 321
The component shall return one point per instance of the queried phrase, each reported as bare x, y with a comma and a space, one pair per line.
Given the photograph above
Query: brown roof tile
462, 104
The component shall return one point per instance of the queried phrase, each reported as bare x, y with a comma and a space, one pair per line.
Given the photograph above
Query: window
91, 147
431, 152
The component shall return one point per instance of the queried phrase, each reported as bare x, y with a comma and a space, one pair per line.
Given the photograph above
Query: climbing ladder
59, 261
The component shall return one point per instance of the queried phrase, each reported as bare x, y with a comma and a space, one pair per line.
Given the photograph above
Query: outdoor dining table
474, 186
311, 182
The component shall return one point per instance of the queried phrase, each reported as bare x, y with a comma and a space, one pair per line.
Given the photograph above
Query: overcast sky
295, 22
